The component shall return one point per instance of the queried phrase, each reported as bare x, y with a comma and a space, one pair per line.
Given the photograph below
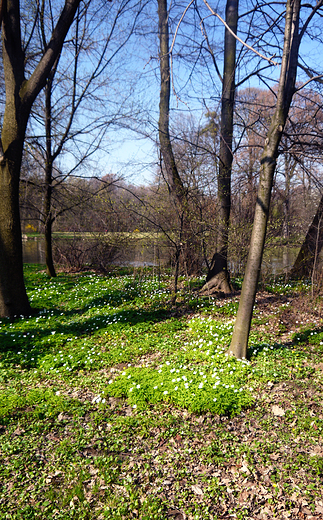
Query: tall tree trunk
173, 178
311, 247
218, 278
20, 95
285, 93
50, 269
13, 296
178, 193
286, 199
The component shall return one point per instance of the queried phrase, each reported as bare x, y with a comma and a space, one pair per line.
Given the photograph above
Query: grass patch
114, 403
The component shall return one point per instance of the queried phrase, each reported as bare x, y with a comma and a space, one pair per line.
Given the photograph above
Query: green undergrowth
280, 286
37, 402
126, 330
107, 370
197, 375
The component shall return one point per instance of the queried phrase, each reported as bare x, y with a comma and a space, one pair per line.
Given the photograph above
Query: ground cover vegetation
117, 403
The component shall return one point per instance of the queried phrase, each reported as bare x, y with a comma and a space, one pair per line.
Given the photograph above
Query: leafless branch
270, 60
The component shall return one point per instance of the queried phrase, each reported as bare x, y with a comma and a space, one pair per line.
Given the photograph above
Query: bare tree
21, 93
185, 244
218, 278
74, 86
286, 89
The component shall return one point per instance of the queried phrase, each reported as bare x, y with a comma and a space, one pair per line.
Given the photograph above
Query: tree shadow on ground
35, 342
311, 334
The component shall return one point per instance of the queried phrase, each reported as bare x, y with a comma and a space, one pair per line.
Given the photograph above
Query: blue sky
131, 81
195, 93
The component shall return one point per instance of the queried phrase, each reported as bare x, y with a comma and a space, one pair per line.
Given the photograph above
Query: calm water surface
139, 255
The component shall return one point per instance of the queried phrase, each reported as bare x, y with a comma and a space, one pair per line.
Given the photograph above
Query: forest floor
116, 404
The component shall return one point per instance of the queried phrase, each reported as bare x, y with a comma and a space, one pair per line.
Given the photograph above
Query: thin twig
313, 78
237, 37
179, 23
171, 51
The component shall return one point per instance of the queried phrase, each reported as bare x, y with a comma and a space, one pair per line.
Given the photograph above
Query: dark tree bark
50, 269
218, 278
311, 247
173, 178
187, 247
20, 95
286, 89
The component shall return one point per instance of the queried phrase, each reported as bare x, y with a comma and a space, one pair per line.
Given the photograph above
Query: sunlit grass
121, 326
107, 370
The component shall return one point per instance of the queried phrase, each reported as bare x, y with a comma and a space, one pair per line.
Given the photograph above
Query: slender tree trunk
285, 93
311, 247
178, 193
175, 183
218, 278
286, 199
250, 196
50, 269
286, 209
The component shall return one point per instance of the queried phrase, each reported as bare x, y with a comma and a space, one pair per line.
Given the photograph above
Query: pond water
140, 254
135, 254
33, 251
